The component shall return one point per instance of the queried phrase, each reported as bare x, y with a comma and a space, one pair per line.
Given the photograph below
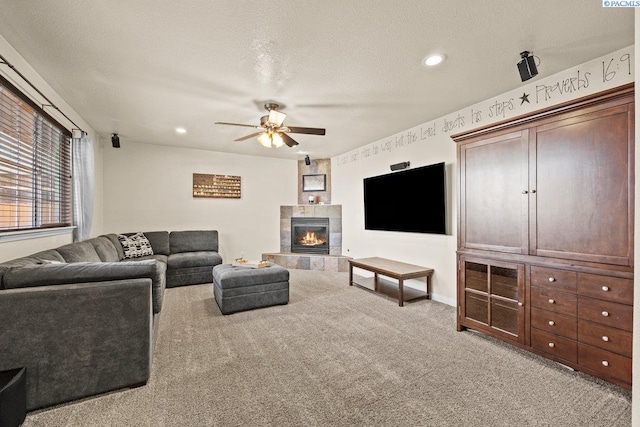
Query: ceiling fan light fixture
272, 133
277, 140
276, 117
265, 139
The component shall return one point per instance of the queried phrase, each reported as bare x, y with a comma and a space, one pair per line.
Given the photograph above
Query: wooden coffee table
397, 270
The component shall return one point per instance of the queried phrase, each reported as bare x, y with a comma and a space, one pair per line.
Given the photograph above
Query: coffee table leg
400, 292
350, 275
375, 281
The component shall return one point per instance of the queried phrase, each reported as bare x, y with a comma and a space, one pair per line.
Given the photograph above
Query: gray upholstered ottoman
242, 288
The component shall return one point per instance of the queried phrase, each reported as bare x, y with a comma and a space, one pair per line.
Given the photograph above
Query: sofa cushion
48, 255
135, 246
79, 252
194, 259
159, 241
193, 241
116, 244
87, 272
105, 249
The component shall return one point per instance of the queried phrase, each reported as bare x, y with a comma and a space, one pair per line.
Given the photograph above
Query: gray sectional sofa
82, 318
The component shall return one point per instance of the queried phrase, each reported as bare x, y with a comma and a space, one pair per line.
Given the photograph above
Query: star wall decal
524, 98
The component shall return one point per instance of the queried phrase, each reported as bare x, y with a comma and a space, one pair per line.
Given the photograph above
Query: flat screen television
412, 200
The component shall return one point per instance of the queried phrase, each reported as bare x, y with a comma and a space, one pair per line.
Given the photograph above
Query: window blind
35, 165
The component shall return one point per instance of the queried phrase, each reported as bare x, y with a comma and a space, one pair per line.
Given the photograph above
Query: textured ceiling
142, 68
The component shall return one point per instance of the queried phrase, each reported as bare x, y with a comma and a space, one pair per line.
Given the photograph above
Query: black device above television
411, 200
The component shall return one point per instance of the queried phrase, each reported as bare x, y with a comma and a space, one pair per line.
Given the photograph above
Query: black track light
115, 140
307, 161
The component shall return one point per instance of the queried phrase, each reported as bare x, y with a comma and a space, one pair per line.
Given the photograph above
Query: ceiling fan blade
237, 124
288, 140
309, 131
244, 138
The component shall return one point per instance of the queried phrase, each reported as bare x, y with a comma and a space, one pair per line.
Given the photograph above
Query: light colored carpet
341, 356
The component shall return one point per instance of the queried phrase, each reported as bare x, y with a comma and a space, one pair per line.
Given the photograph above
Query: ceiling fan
272, 132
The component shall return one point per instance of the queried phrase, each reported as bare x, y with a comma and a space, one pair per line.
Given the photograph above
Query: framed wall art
316, 182
216, 186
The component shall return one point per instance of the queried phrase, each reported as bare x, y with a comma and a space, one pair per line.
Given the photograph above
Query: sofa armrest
84, 272
77, 340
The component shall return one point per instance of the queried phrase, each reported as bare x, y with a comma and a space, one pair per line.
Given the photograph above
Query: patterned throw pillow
135, 246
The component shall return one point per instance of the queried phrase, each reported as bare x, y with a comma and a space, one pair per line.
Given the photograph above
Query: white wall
431, 143
14, 249
148, 187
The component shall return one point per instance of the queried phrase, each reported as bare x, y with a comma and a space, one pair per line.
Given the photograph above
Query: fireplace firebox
310, 235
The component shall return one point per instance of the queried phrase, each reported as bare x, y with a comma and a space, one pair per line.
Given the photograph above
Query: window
35, 165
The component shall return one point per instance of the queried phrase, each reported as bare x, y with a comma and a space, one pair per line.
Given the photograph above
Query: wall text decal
604, 73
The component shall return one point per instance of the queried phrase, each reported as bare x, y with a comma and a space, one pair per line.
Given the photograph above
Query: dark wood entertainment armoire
545, 232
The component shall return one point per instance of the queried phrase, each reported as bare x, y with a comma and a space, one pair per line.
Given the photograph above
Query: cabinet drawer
605, 337
559, 302
554, 323
606, 313
563, 348
603, 361
604, 287
561, 280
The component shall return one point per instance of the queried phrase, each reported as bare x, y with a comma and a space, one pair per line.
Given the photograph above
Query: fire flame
311, 239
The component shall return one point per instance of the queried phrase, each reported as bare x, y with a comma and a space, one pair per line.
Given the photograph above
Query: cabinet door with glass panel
491, 298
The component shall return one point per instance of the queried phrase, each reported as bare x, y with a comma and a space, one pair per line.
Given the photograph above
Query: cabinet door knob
605, 288
605, 363
605, 338
520, 304
605, 313
525, 192
551, 323
552, 279
552, 301
533, 191
551, 345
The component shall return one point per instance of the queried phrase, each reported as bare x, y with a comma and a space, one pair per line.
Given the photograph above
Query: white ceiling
144, 67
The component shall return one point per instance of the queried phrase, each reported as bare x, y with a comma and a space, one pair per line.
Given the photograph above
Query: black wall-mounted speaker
115, 140
307, 161
398, 166
527, 66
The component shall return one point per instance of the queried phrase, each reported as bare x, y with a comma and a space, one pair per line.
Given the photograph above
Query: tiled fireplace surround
332, 262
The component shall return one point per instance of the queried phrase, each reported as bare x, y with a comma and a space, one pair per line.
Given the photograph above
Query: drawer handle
605, 313
605, 338
551, 345
551, 279
605, 363
552, 301
551, 323
605, 288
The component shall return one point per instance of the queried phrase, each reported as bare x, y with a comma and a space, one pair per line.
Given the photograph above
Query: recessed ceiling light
435, 59
181, 130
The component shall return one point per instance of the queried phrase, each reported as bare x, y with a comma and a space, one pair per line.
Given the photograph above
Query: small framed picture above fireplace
316, 182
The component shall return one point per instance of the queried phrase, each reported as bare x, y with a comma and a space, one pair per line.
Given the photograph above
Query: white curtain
83, 187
